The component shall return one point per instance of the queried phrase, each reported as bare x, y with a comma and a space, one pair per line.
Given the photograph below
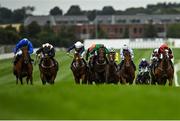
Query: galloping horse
101, 67
143, 77
163, 71
23, 68
113, 69
127, 72
48, 70
79, 69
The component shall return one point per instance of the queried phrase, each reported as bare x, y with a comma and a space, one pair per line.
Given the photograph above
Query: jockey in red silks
161, 50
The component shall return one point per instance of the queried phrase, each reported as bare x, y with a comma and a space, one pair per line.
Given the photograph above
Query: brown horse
23, 68
113, 69
163, 71
101, 67
127, 72
79, 69
48, 70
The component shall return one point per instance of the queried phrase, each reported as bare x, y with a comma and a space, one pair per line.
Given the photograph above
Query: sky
42, 7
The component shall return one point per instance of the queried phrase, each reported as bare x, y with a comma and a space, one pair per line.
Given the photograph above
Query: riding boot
40, 61
16, 58
120, 65
133, 65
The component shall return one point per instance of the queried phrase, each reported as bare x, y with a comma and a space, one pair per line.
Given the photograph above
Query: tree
20, 14
55, 11
150, 31
8, 37
74, 10
5, 15
91, 15
33, 29
108, 10
173, 31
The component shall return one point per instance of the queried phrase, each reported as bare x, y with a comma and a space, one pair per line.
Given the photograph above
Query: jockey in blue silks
22, 43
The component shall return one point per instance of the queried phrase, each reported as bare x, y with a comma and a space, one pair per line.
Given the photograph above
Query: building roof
139, 18
41, 20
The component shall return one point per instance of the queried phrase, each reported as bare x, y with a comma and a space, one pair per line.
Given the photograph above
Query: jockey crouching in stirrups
123, 49
46, 49
92, 53
161, 49
79, 48
18, 52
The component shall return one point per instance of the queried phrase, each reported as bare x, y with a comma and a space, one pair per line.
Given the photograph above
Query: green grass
65, 100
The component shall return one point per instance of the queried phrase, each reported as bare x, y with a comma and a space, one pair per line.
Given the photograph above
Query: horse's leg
21, 80
27, 80
30, 77
77, 80
16, 79
170, 81
42, 78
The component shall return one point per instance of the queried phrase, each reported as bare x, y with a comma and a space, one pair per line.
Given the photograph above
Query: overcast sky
42, 7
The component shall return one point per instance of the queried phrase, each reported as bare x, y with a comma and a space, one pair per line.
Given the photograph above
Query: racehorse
48, 69
113, 69
163, 71
143, 77
79, 69
23, 67
101, 67
127, 72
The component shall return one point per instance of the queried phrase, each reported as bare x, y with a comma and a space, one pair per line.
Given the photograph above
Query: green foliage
55, 11
74, 10
108, 10
150, 31
8, 36
33, 29
173, 31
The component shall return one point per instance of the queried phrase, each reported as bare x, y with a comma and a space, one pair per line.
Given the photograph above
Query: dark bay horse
164, 71
23, 68
79, 69
48, 70
143, 77
101, 67
113, 69
127, 72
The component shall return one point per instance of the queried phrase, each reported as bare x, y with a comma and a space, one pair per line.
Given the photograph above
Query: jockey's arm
70, 48
52, 52
121, 53
131, 52
39, 50
30, 48
87, 54
107, 51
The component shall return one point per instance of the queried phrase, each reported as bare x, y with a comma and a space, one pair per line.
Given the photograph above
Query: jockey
92, 51
22, 43
162, 48
170, 54
143, 64
154, 57
46, 49
126, 48
79, 47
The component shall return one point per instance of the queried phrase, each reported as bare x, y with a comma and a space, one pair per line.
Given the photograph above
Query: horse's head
25, 55
78, 60
111, 57
101, 54
127, 58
